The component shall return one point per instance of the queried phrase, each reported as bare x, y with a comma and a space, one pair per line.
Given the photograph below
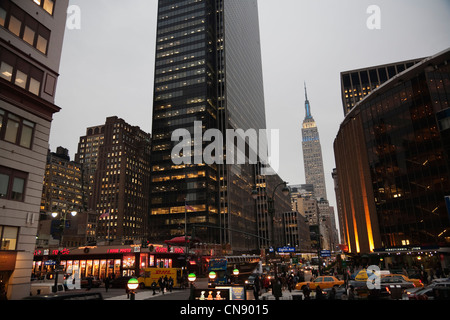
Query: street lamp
62, 226
132, 285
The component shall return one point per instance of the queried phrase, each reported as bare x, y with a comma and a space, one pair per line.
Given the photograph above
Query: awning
181, 240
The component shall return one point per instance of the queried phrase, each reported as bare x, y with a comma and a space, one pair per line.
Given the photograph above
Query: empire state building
312, 153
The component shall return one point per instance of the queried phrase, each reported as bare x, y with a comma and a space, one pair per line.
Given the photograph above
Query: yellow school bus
153, 274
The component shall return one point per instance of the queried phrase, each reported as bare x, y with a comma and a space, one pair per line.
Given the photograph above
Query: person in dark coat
332, 294
106, 283
306, 292
154, 286
319, 294
257, 287
276, 288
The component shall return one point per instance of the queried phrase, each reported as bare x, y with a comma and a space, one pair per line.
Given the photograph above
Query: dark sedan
120, 282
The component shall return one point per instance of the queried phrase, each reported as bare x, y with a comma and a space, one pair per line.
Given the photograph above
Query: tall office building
312, 153
393, 191
87, 157
62, 183
31, 38
357, 84
208, 68
116, 159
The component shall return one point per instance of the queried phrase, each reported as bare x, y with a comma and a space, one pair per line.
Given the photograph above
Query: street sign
325, 253
286, 249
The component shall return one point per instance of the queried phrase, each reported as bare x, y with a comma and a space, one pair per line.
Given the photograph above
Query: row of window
192, 55
24, 26
176, 12
15, 129
179, 67
20, 72
181, 42
180, 75
181, 34
190, 16
183, 83
176, 5
47, 5
176, 113
181, 26
176, 51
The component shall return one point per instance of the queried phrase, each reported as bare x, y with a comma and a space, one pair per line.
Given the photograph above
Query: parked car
322, 281
360, 287
45, 288
96, 282
120, 282
69, 296
250, 282
391, 288
426, 293
417, 282
341, 292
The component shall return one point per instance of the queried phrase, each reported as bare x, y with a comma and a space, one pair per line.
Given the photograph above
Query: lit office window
28, 35
21, 79
35, 86
6, 71
14, 25
42, 44
49, 5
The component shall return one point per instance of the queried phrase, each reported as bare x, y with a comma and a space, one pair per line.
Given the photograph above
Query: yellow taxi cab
417, 282
323, 282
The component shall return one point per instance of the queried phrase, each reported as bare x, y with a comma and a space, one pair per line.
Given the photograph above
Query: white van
44, 288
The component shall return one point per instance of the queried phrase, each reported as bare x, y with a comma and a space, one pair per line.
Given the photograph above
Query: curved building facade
393, 162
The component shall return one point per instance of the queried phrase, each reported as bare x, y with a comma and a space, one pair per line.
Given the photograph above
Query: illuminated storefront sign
126, 250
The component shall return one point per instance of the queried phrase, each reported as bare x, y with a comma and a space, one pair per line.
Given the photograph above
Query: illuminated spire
307, 106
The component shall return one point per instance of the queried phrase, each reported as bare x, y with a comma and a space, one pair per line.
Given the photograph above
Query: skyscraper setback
208, 68
312, 153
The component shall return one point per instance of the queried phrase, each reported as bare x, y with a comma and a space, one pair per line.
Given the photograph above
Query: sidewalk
286, 295
141, 295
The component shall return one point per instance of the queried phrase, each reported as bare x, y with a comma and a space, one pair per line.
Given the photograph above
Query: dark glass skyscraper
208, 68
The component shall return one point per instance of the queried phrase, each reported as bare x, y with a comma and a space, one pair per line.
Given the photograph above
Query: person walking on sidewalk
106, 283
154, 286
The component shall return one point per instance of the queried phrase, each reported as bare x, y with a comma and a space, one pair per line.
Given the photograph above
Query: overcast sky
107, 65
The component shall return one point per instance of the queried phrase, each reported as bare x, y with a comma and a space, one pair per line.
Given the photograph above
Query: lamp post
192, 277
62, 226
132, 285
271, 209
212, 276
236, 275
